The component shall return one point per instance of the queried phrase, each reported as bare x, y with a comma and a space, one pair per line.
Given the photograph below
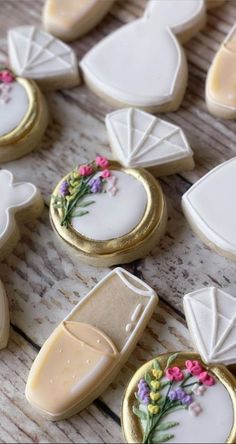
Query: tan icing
74, 358
118, 306
222, 80
68, 11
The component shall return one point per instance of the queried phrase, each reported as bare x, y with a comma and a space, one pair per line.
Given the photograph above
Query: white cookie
140, 140
19, 202
211, 318
4, 318
70, 19
209, 208
142, 64
90, 346
37, 55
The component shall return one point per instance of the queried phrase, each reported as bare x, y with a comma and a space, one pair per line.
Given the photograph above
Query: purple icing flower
172, 395
180, 394
143, 391
187, 400
64, 188
95, 185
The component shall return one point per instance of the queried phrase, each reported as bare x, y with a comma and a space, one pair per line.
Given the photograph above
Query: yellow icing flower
155, 384
153, 409
155, 396
157, 373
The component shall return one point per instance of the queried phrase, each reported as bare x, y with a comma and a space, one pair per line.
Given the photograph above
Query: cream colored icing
111, 217
221, 82
13, 111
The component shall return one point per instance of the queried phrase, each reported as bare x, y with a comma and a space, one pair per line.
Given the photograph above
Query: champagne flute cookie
33, 56
210, 211
70, 19
108, 214
143, 64
4, 318
19, 202
220, 84
87, 350
184, 397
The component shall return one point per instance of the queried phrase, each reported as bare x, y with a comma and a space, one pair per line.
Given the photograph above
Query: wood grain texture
44, 282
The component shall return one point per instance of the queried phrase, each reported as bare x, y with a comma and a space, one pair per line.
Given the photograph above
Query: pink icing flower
174, 374
6, 76
193, 367
85, 170
195, 409
206, 379
101, 161
199, 390
106, 174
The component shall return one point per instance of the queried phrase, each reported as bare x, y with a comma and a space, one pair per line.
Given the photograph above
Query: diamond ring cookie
33, 56
108, 214
87, 350
209, 208
141, 140
19, 202
70, 19
143, 64
220, 84
4, 318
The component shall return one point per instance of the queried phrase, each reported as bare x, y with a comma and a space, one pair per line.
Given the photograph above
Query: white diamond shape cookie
37, 55
141, 140
211, 318
19, 202
210, 208
4, 318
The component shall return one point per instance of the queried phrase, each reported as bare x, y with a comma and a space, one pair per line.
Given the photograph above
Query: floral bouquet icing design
163, 391
6, 78
82, 182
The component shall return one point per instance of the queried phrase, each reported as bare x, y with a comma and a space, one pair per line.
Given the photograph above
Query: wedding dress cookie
209, 208
178, 398
220, 85
70, 19
87, 350
140, 140
108, 214
143, 64
4, 318
19, 202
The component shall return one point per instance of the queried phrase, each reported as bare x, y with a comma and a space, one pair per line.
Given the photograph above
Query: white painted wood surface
44, 283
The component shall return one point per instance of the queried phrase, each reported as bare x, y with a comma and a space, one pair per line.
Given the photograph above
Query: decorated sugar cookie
107, 213
19, 202
4, 318
140, 140
33, 55
70, 19
86, 351
209, 208
178, 398
220, 85
211, 317
143, 64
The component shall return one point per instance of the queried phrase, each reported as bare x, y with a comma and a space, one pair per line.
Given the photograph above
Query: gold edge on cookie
31, 116
131, 424
151, 219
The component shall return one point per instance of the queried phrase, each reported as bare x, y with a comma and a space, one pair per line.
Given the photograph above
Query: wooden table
43, 284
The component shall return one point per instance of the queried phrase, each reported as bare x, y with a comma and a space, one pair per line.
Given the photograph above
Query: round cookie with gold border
23, 115
108, 214
178, 398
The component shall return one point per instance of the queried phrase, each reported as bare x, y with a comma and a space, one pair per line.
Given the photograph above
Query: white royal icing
211, 317
142, 63
14, 108
139, 139
209, 204
35, 54
111, 217
14, 197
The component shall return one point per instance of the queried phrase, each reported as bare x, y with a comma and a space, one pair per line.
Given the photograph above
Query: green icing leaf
166, 426
79, 213
156, 365
147, 378
171, 359
140, 413
164, 438
86, 204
